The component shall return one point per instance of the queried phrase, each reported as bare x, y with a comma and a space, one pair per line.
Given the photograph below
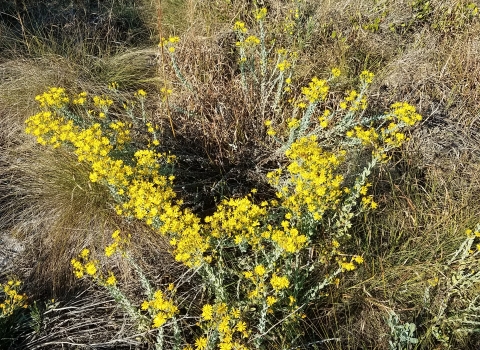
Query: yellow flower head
271, 300
201, 343
207, 312
260, 14
252, 40
336, 72
259, 270
278, 283
85, 253
240, 27
367, 76
111, 280
90, 268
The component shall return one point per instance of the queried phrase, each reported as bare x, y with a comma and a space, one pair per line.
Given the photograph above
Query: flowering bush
261, 262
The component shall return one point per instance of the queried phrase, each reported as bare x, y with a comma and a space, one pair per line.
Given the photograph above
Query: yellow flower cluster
239, 26
323, 119
160, 308
239, 219
290, 20
165, 93
279, 282
260, 14
91, 145
366, 76
470, 233
355, 101
392, 137
119, 243
349, 265
368, 136
386, 137
121, 133
142, 189
257, 276
473, 234
226, 321
12, 299
185, 229
316, 91
113, 86
252, 40
283, 65
144, 198
312, 184
84, 265
81, 99
336, 72
169, 44
270, 130
49, 129
102, 102
406, 113
55, 97
293, 123
260, 293
140, 94
289, 238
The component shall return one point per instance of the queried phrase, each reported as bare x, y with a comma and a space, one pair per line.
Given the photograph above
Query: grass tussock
215, 108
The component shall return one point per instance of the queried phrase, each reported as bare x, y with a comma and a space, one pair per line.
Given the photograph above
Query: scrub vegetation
278, 174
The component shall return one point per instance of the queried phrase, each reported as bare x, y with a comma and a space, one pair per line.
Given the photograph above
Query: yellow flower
248, 274
84, 253
347, 266
241, 326
90, 268
252, 40
367, 76
110, 250
235, 313
316, 90
260, 14
78, 268
159, 320
336, 72
111, 280
279, 283
207, 312
271, 300
284, 65
259, 270
358, 259
201, 343
225, 346
271, 132
240, 26
141, 93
